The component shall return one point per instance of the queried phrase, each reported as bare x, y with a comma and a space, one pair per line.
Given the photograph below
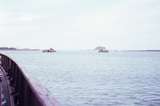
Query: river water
87, 78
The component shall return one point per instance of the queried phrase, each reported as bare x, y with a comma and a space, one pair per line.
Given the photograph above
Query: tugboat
51, 50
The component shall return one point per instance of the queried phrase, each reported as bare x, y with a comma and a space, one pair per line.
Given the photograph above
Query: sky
80, 24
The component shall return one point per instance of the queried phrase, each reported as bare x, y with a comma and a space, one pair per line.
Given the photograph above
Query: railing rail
23, 91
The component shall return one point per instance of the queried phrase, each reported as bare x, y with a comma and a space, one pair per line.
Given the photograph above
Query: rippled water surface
94, 79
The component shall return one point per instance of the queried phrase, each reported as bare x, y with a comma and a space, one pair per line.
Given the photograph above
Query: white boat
101, 49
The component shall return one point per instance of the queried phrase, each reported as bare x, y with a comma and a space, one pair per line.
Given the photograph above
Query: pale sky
80, 24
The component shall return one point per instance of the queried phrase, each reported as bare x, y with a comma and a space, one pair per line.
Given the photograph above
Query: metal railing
23, 91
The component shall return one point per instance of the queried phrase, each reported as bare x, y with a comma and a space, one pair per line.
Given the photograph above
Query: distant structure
51, 50
101, 49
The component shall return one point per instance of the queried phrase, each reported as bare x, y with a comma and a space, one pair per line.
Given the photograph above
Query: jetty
16, 89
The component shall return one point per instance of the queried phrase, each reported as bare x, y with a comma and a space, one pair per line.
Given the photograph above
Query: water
96, 79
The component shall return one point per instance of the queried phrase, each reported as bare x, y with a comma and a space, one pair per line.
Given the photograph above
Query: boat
18, 89
51, 50
101, 49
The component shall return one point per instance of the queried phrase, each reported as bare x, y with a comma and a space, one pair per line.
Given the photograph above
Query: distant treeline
13, 48
142, 50
7, 48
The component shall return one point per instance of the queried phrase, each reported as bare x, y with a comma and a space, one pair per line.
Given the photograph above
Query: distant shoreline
16, 49
29, 49
140, 50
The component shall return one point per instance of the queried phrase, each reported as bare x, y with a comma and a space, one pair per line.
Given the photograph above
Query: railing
23, 91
